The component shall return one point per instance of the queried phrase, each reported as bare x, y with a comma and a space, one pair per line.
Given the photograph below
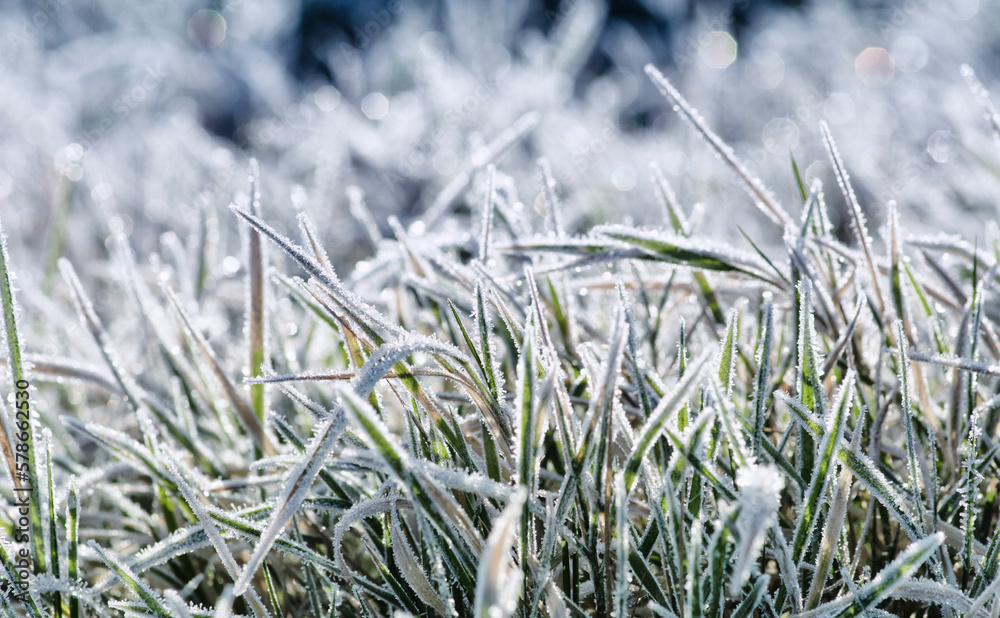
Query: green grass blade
272, 594
753, 598
246, 414
526, 409
761, 388
730, 352
763, 198
19, 384
50, 498
665, 410
154, 603
73, 543
892, 575
256, 302
857, 216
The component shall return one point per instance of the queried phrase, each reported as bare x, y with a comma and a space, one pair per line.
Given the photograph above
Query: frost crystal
759, 495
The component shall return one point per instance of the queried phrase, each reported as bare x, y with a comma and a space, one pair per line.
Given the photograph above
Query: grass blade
246, 414
666, 409
761, 390
763, 198
892, 575
19, 384
857, 216
255, 299
498, 580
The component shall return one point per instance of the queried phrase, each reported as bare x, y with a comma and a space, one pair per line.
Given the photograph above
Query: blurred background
141, 118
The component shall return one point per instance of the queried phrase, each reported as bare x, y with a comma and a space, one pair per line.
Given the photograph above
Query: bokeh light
718, 49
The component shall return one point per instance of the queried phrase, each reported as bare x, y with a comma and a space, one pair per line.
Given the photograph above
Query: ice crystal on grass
480, 373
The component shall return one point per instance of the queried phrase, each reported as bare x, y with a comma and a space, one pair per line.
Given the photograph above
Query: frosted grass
523, 403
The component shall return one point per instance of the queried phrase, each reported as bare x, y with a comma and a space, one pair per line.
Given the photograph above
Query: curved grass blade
680, 250
821, 476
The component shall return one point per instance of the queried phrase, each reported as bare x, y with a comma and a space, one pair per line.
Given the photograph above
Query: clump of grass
532, 423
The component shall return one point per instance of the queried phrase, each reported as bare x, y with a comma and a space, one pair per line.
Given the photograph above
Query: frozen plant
514, 403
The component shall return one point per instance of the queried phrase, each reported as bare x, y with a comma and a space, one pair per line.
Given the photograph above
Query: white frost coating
956, 362
208, 525
759, 493
807, 344
484, 330
732, 330
786, 565
141, 587
294, 492
488, 208
763, 197
700, 246
860, 227
359, 310
383, 359
411, 569
43, 583
471, 482
498, 580
361, 510
553, 220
